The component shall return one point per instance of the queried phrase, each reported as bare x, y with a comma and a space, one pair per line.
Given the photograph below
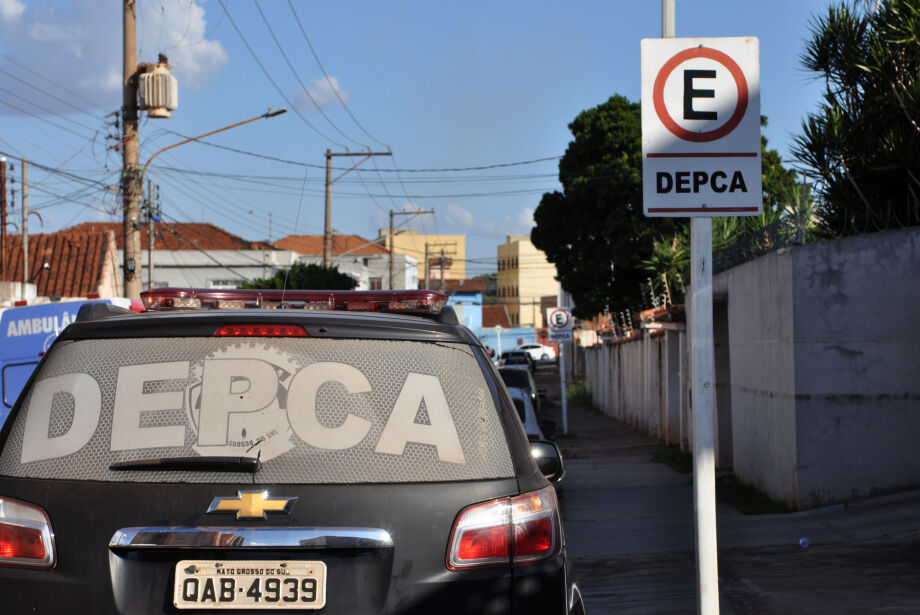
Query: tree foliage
595, 231
863, 143
306, 277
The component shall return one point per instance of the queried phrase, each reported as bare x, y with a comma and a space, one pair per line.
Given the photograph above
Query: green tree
863, 142
306, 277
595, 231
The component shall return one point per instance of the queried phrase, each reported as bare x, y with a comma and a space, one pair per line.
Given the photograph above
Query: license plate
251, 584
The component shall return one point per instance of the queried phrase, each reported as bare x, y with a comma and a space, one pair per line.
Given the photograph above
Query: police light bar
424, 302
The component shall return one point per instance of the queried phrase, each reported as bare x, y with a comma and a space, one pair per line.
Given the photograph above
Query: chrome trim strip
247, 537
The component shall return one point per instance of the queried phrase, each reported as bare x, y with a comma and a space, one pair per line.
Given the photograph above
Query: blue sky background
445, 85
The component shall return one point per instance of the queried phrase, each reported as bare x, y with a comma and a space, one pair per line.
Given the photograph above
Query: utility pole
2, 217
131, 190
441, 259
25, 228
327, 232
427, 270
151, 217
441, 262
392, 234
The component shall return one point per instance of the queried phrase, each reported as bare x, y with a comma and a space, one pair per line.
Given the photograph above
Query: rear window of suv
312, 410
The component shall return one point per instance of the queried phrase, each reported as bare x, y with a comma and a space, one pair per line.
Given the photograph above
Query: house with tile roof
197, 254
63, 265
365, 260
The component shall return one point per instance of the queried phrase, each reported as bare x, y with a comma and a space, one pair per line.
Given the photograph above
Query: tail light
261, 331
26, 538
508, 531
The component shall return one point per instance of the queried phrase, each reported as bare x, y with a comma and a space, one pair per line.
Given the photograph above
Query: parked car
526, 412
327, 456
538, 352
522, 379
518, 359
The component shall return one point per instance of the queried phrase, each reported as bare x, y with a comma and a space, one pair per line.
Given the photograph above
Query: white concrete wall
634, 382
857, 366
762, 358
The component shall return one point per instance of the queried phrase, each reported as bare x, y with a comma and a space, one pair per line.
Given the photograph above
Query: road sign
560, 324
701, 127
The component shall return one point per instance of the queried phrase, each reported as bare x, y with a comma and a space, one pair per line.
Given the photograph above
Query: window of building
375, 283
224, 283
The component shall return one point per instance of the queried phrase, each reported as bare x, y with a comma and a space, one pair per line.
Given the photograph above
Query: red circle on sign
662, 110
552, 319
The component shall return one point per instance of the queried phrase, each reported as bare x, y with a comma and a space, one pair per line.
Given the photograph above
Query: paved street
629, 526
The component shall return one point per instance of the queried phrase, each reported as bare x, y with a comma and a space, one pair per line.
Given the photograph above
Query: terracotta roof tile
313, 245
473, 285
495, 315
76, 261
178, 236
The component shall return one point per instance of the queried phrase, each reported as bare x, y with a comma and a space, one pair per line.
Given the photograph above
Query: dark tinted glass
519, 404
515, 378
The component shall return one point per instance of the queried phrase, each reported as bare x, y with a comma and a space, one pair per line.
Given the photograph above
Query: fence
642, 381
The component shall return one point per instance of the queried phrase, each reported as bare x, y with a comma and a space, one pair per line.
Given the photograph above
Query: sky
472, 99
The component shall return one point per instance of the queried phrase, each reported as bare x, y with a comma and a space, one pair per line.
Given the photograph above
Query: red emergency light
423, 302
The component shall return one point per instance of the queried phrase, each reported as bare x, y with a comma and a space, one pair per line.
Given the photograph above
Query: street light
129, 255
270, 113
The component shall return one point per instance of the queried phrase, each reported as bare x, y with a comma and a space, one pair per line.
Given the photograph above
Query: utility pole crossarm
327, 227
392, 234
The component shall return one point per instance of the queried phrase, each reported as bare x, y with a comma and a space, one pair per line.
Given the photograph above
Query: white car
538, 352
524, 407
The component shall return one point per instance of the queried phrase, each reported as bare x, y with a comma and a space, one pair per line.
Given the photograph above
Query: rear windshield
313, 411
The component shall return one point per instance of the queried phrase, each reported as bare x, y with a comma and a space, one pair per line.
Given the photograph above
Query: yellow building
408, 241
524, 276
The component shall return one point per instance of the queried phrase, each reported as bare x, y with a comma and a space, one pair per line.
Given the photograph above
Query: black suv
346, 452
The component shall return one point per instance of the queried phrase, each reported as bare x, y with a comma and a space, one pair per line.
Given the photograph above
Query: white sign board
701, 127
559, 322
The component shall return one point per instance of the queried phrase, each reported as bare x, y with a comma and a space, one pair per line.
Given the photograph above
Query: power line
54, 83
317, 166
272, 81
41, 119
297, 76
334, 89
48, 111
48, 94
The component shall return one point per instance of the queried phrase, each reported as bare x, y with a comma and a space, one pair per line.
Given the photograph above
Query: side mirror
548, 459
541, 391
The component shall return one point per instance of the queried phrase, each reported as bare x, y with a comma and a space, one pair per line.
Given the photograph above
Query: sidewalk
630, 529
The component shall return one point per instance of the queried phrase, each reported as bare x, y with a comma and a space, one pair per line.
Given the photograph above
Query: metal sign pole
565, 408
704, 473
702, 361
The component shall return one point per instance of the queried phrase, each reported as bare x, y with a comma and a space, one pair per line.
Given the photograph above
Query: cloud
323, 94
178, 30
524, 219
11, 10
460, 216
518, 224
78, 44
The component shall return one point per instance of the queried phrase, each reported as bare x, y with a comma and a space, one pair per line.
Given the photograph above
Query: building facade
524, 278
366, 261
452, 261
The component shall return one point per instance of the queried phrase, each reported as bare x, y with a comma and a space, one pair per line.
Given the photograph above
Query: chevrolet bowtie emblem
251, 504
